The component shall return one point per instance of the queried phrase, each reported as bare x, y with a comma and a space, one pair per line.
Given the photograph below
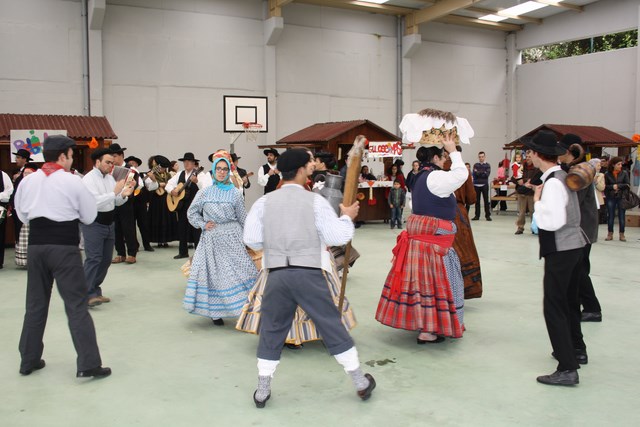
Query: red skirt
422, 299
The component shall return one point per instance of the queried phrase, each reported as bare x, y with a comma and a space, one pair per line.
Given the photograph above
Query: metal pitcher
332, 191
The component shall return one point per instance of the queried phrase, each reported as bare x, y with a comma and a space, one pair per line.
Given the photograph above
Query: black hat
116, 149
271, 151
234, 157
544, 142
568, 140
100, 152
58, 143
24, 154
135, 159
162, 161
188, 156
293, 159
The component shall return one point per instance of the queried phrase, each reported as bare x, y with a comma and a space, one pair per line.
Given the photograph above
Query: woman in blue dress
222, 272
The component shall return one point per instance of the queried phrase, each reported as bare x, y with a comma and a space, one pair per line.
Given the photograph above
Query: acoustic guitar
175, 202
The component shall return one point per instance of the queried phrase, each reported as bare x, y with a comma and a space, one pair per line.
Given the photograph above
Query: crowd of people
290, 294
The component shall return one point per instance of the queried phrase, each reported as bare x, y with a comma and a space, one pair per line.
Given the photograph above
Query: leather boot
609, 236
622, 238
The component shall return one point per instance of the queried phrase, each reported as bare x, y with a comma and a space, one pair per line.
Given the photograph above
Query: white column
272, 30
514, 58
95, 13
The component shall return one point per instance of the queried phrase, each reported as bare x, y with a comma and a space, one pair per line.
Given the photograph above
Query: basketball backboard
239, 110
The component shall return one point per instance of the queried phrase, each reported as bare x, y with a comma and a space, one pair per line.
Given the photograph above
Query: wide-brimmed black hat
188, 156
116, 149
134, 158
568, 140
100, 152
25, 154
271, 151
234, 157
544, 142
162, 161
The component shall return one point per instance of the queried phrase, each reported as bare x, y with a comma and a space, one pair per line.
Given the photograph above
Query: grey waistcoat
290, 233
569, 236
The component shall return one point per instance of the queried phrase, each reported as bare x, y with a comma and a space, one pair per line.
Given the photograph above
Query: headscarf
595, 162
225, 185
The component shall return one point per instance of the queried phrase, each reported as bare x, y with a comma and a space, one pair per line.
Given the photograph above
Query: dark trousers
126, 230
17, 226
288, 288
98, 250
140, 216
588, 298
64, 264
186, 232
3, 228
484, 192
561, 305
612, 204
396, 217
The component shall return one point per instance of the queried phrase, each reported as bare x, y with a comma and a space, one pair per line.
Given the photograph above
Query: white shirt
263, 178
101, 187
550, 212
59, 197
8, 188
204, 180
443, 183
332, 230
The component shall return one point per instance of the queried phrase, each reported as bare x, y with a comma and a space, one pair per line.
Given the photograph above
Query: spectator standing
480, 174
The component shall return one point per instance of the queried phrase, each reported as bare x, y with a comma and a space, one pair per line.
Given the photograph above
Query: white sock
348, 359
267, 367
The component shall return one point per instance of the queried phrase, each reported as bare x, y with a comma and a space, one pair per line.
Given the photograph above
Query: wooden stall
337, 138
80, 128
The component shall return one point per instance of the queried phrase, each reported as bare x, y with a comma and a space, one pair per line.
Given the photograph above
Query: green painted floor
175, 369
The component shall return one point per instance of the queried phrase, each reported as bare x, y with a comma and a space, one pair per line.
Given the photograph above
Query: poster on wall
385, 149
31, 140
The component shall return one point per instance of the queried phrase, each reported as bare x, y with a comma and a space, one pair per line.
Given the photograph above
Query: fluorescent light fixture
375, 1
523, 8
493, 18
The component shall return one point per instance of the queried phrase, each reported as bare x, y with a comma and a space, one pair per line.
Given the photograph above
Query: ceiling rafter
361, 6
506, 15
562, 5
474, 22
441, 9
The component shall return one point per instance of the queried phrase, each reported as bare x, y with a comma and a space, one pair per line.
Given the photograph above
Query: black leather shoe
180, 256
519, 231
560, 378
293, 346
489, 219
475, 218
98, 372
35, 367
258, 403
438, 340
366, 393
149, 249
218, 322
595, 316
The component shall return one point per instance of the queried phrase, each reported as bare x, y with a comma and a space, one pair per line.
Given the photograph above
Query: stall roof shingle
77, 127
324, 132
595, 136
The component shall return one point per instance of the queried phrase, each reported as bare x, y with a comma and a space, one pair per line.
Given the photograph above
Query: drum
580, 176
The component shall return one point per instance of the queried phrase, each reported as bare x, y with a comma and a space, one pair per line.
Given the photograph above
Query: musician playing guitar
185, 182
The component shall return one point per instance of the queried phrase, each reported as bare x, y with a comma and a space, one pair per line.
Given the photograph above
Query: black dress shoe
594, 316
366, 393
258, 403
438, 340
180, 256
560, 378
489, 219
294, 346
149, 249
475, 218
35, 367
218, 322
98, 372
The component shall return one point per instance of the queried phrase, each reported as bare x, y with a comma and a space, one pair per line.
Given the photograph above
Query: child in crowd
516, 168
396, 203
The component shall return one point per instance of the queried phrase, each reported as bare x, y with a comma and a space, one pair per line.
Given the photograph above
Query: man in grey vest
294, 226
557, 213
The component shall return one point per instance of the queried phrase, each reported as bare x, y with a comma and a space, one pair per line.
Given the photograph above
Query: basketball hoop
251, 130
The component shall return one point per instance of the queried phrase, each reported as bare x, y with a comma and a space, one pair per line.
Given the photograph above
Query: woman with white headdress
222, 272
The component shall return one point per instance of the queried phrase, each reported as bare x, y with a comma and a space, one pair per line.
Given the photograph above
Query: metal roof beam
441, 9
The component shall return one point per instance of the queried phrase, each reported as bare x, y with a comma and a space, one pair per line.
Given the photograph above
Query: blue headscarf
225, 185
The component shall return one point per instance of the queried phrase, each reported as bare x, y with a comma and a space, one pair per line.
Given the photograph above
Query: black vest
426, 203
273, 182
190, 190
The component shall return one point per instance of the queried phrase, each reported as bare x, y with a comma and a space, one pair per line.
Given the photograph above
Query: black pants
64, 264
588, 298
126, 230
484, 192
17, 226
288, 288
3, 228
186, 233
140, 216
561, 305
